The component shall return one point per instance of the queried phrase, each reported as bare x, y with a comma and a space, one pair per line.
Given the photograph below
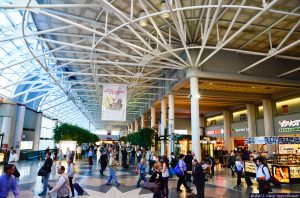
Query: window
26, 145
243, 117
47, 128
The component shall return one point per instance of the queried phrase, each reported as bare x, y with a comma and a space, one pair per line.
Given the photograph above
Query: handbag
152, 186
178, 170
42, 172
172, 171
137, 169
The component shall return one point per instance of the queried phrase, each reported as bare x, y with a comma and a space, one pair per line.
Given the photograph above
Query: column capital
192, 72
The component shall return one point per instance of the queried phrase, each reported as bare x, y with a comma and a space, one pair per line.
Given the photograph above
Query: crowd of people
145, 162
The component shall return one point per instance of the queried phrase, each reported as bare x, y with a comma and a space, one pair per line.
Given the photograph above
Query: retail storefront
239, 133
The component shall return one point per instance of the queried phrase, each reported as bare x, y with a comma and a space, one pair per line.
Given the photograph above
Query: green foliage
144, 137
72, 132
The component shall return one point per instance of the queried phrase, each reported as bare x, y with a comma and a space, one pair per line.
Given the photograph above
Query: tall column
142, 121
152, 117
202, 124
268, 122
37, 134
163, 125
171, 124
251, 118
131, 127
5, 129
195, 120
227, 131
136, 125
19, 127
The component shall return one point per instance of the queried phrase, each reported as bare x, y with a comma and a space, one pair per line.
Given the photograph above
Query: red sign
215, 132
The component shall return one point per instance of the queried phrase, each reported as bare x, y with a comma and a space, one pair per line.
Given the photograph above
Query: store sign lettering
215, 132
286, 123
237, 130
289, 125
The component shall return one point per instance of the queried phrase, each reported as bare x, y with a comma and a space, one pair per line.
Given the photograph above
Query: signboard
237, 130
273, 140
288, 148
2, 157
215, 132
289, 126
114, 101
281, 173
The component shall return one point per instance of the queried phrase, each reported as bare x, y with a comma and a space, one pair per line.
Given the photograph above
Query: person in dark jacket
174, 160
156, 177
198, 178
124, 157
103, 162
212, 162
47, 167
188, 161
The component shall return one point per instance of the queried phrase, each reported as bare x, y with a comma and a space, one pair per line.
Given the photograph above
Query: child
142, 168
156, 177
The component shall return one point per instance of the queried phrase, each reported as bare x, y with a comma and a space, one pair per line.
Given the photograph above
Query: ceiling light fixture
164, 7
143, 22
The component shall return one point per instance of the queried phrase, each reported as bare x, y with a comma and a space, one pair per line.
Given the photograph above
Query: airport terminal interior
149, 81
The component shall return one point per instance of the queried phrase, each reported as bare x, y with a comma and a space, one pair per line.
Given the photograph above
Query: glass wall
46, 137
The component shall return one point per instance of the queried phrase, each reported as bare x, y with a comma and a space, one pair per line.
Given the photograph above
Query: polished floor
222, 185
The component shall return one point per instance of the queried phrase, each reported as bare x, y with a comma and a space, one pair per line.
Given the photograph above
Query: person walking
124, 157
173, 160
139, 156
70, 173
62, 187
8, 182
91, 155
60, 155
112, 167
152, 161
262, 176
78, 152
212, 162
181, 176
239, 167
188, 161
142, 168
98, 155
13, 159
198, 178
156, 178
47, 168
165, 176
133, 153
103, 162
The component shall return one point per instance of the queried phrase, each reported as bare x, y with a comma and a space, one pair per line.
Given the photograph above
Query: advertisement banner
114, 101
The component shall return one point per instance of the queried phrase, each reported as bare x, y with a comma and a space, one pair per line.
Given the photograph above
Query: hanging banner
114, 101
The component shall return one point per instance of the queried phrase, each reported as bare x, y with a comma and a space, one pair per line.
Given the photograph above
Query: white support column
37, 134
5, 129
136, 125
128, 129
171, 124
19, 128
152, 117
268, 122
251, 118
227, 131
142, 121
195, 120
163, 126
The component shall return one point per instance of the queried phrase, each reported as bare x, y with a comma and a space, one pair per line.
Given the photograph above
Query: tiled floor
222, 185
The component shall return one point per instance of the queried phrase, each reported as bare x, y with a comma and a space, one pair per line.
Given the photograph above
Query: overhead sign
114, 101
215, 132
289, 125
273, 140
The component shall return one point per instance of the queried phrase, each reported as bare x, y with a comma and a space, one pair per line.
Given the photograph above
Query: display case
295, 172
287, 159
250, 168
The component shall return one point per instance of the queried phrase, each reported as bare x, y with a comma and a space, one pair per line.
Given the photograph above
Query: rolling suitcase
248, 181
78, 189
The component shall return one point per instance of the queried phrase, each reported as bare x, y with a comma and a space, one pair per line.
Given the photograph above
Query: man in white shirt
62, 187
78, 152
239, 167
262, 176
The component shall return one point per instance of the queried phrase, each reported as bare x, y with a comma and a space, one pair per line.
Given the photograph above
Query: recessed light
253, 87
211, 83
117, 60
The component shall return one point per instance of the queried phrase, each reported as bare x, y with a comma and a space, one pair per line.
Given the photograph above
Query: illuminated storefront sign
289, 125
237, 130
215, 132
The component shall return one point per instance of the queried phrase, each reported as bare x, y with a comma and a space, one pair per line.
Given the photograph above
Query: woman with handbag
70, 172
165, 176
45, 171
156, 181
